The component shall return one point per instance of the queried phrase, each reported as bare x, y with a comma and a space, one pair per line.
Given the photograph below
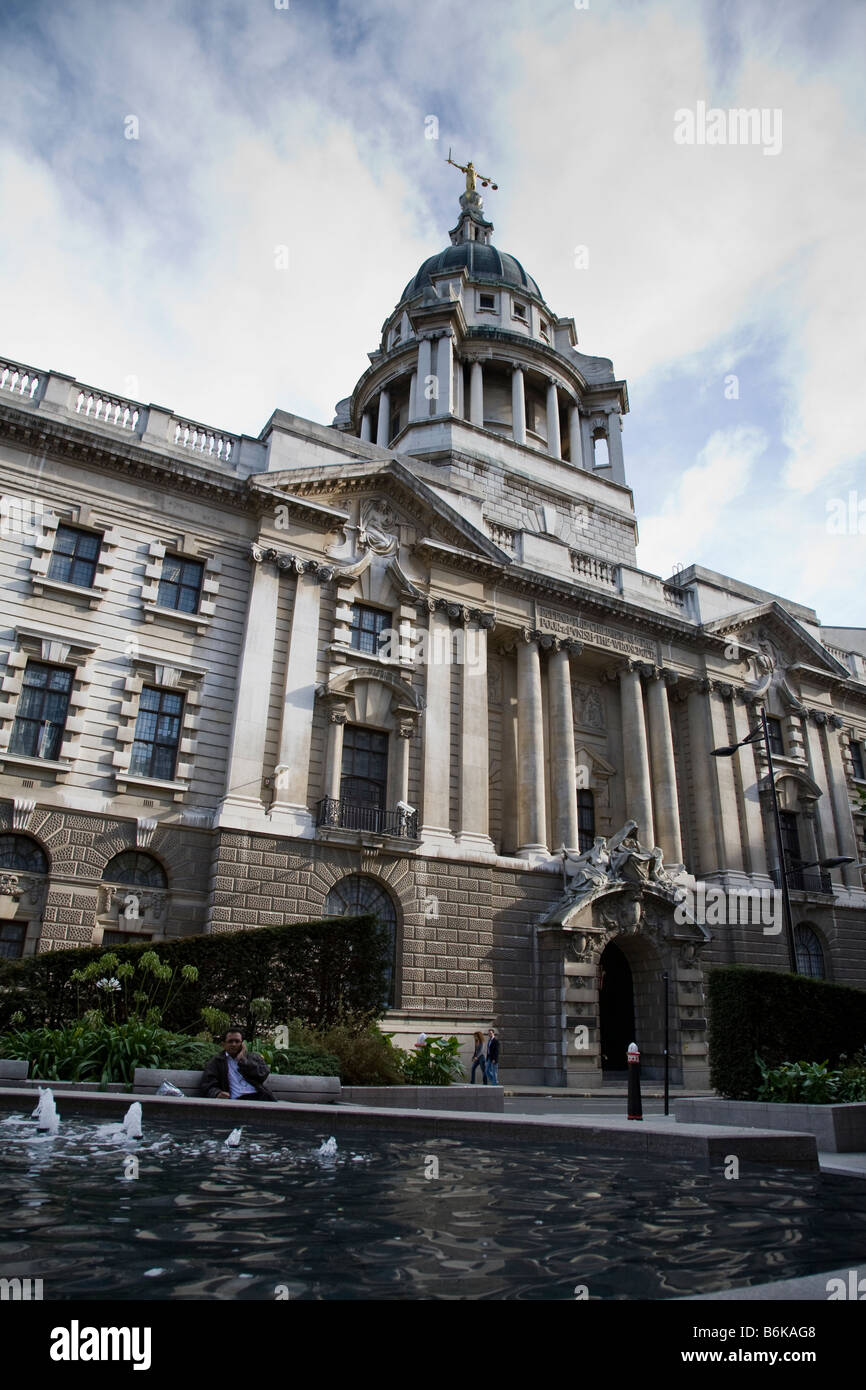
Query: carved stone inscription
595, 634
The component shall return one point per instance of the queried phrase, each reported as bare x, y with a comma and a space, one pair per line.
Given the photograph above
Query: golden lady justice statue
471, 174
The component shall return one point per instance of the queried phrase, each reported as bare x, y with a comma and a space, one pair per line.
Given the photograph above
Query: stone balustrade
503, 536
598, 571
57, 394
99, 408
203, 440
19, 380
675, 598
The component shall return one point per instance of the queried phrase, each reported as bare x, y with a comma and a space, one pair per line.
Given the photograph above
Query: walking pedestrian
492, 1057
478, 1059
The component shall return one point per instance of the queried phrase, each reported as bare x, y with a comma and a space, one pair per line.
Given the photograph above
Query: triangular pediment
770, 622
324, 494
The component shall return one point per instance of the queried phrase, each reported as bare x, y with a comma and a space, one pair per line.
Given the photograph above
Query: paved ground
576, 1105
535, 1101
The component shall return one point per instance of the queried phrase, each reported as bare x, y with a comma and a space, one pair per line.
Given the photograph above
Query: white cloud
698, 509
154, 259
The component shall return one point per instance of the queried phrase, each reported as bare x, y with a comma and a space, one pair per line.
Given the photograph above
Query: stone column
437, 732
366, 427
746, 718
296, 724
518, 406
725, 794
459, 385
445, 373
422, 401
510, 754
818, 769
476, 394
575, 441
531, 811
614, 447
252, 696
563, 762
664, 772
337, 720
413, 388
845, 837
405, 732
474, 753
702, 790
383, 428
638, 787
554, 443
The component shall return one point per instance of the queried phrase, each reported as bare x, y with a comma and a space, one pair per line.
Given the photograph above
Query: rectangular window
790, 839
545, 331
857, 761
180, 585
124, 938
364, 776
585, 820
12, 939
777, 742
74, 557
42, 710
157, 734
487, 301
368, 626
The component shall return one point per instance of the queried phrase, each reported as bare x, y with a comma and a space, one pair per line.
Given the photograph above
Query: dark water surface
274, 1218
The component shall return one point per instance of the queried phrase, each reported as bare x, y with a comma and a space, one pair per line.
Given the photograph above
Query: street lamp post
728, 752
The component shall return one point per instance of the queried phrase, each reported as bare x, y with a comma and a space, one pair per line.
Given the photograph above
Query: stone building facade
401, 662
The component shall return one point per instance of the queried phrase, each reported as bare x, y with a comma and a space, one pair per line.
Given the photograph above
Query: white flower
112, 984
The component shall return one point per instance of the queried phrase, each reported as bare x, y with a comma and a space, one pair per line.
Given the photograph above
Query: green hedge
318, 971
782, 1018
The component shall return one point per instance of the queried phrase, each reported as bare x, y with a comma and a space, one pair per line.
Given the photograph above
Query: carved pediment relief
774, 642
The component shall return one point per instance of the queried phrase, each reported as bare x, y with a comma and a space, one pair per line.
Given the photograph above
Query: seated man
236, 1074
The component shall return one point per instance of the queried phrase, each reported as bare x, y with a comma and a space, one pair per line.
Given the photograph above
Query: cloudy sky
154, 157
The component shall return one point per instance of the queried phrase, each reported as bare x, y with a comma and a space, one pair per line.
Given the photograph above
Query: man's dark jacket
252, 1068
493, 1050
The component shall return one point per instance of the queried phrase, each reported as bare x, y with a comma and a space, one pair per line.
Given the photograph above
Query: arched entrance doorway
631, 1004
615, 1008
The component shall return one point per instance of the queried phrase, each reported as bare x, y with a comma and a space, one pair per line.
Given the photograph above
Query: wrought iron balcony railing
350, 815
805, 880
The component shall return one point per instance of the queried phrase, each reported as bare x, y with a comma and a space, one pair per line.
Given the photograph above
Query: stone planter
489, 1099
837, 1128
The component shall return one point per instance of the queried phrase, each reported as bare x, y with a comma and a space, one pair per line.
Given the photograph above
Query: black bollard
635, 1108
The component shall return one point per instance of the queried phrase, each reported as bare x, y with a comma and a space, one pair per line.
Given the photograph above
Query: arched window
22, 854
810, 955
136, 869
358, 894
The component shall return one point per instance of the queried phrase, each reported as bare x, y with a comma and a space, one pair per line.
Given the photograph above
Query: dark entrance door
616, 1008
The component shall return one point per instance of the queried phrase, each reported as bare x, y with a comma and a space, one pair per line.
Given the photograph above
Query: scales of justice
472, 175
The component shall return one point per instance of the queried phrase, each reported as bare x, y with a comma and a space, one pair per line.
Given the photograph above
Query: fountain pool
285, 1214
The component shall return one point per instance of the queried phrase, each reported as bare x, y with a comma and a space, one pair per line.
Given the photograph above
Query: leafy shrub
435, 1064
366, 1056
852, 1085
320, 971
811, 1083
806, 1083
180, 1053
776, 1016
295, 1060
87, 1051
352, 1049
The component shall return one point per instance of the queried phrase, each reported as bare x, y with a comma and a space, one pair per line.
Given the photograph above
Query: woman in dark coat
478, 1059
